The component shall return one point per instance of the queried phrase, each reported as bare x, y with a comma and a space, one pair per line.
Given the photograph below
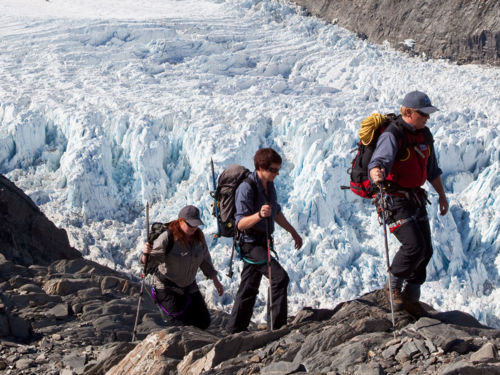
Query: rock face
465, 31
27, 237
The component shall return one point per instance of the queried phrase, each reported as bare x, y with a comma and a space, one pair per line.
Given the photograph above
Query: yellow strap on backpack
368, 127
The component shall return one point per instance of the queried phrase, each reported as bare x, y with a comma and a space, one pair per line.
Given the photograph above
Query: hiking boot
415, 308
411, 293
397, 300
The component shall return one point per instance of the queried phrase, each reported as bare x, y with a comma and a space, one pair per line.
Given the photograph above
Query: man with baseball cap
403, 160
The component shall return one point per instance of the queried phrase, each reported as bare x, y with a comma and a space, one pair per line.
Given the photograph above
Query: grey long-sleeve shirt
181, 264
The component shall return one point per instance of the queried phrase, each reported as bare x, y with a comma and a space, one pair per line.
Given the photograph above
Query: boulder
160, 352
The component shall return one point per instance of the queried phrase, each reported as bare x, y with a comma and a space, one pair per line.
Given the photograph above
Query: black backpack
224, 206
371, 128
154, 233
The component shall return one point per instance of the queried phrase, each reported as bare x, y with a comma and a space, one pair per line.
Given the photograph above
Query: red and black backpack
372, 127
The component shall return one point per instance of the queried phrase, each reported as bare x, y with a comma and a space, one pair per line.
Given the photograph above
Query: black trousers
187, 308
413, 231
251, 275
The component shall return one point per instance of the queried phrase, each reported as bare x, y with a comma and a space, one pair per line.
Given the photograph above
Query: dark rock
63, 287
60, 311
30, 288
18, 281
308, 314
109, 355
282, 368
75, 360
90, 293
370, 369
4, 326
391, 351
344, 357
31, 299
466, 368
81, 266
19, 327
487, 353
24, 363
457, 317
444, 336
26, 235
45, 321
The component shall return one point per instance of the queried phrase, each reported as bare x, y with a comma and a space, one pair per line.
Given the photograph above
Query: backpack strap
255, 190
396, 129
253, 185
170, 242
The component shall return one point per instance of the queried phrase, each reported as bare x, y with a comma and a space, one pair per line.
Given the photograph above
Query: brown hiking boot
397, 300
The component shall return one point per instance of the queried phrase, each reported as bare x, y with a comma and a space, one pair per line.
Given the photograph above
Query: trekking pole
268, 238
216, 203
230, 272
143, 276
382, 206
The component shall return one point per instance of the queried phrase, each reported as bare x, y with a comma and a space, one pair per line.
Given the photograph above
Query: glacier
107, 105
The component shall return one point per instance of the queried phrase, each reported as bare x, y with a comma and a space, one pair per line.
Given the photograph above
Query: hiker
405, 204
255, 217
175, 287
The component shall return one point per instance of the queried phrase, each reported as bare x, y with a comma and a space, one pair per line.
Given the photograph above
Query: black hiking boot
411, 300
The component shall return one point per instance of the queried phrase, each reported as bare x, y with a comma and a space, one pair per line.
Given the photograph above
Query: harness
417, 195
238, 245
173, 315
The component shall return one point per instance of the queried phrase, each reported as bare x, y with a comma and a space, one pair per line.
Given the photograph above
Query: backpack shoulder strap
429, 139
170, 242
399, 132
253, 185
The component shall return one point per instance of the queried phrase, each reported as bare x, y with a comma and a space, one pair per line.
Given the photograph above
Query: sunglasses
273, 170
423, 114
189, 225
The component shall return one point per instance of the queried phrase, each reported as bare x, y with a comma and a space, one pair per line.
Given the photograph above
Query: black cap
191, 215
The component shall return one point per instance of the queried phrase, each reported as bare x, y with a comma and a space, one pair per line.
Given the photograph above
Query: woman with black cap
175, 288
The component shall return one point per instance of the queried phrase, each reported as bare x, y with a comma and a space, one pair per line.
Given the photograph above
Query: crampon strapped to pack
371, 128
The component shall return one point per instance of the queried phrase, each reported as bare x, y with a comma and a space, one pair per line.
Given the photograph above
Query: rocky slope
466, 31
74, 316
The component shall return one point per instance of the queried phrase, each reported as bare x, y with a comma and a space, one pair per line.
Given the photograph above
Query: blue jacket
247, 204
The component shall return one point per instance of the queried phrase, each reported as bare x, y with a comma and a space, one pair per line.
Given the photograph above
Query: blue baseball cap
419, 100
